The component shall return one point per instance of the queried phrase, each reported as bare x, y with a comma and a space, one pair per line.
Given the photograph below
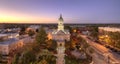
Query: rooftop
60, 32
2, 35
9, 41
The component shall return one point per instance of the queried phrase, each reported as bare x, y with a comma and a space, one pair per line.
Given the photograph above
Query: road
102, 54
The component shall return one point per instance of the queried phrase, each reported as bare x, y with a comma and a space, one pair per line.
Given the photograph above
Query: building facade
10, 45
109, 29
105, 34
60, 33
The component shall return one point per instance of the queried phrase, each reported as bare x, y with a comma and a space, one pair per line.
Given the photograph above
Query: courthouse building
60, 34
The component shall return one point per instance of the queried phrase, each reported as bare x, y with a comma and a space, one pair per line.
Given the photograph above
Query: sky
48, 11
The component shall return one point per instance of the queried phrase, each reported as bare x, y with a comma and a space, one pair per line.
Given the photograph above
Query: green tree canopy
31, 32
94, 32
28, 57
115, 39
1, 57
41, 36
16, 59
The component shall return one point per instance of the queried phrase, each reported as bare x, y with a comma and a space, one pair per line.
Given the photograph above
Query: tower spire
60, 23
61, 19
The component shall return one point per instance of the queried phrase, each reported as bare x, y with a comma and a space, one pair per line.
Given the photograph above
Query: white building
61, 33
9, 35
109, 29
5, 37
9, 45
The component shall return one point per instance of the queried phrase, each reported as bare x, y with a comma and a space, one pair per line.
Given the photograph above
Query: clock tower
60, 23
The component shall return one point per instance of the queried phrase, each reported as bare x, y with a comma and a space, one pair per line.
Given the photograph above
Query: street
101, 54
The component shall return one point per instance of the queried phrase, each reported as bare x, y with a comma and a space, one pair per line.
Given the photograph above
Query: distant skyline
48, 11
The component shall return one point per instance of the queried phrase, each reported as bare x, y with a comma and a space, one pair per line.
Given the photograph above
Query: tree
22, 31
53, 44
31, 32
69, 28
16, 59
84, 45
23, 28
67, 44
37, 30
43, 62
41, 36
35, 48
115, 39
94, 32
28, 57
1, 57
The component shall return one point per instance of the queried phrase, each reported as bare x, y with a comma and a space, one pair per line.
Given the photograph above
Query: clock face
60, 23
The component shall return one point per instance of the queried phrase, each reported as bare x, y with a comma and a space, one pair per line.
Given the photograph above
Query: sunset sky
48, 11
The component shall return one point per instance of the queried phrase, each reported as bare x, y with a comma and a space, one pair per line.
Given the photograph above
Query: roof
60, 32
9, 41
60, 19
2, 35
